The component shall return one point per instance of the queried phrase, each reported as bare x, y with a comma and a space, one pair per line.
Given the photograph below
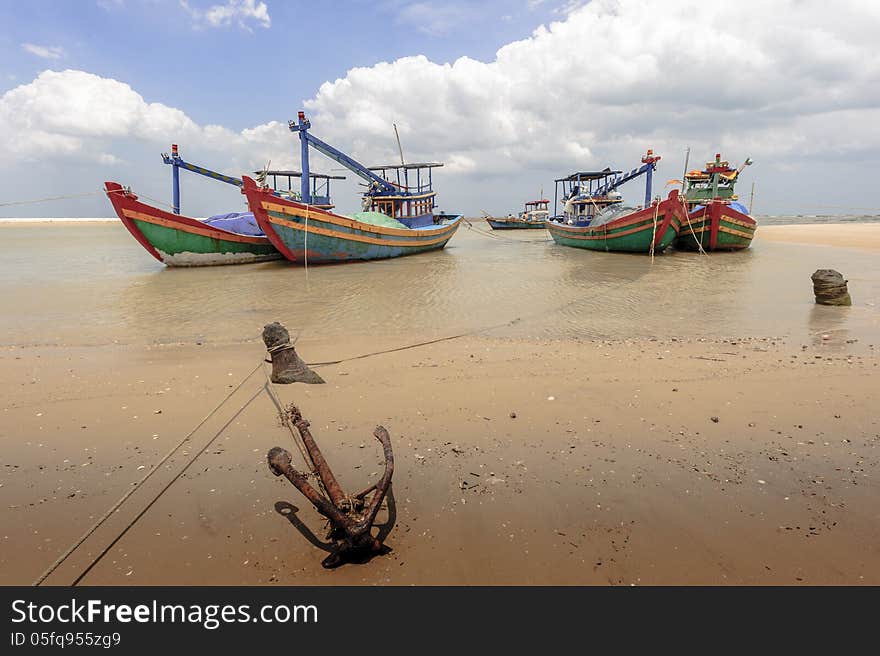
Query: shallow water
92, 284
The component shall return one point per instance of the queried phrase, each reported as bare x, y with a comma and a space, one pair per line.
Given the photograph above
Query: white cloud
790, 84
46, 52
240, 12
771, 80
84, 116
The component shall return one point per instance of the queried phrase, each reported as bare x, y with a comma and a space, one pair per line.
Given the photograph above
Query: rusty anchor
351, 518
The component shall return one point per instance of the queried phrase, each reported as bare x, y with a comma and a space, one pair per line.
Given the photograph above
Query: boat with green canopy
716, 220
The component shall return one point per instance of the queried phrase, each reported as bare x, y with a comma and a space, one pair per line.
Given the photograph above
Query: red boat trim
116, 195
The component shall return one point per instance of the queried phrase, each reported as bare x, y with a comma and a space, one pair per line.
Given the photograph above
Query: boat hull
716, 227
182, 241
306, 235
515, 224
652, 229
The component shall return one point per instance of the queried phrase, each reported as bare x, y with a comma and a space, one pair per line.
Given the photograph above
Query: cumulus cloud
775, 81
78, 114
241, 12
790, 84
46, 52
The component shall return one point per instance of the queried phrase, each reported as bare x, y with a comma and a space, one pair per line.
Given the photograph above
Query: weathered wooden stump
287, 366
830, 288
351, 518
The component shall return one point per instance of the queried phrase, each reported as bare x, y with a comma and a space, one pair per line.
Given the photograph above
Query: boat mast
752, 198
302, 126
399, 147
687, 157
178, 163
651, 161
175, 180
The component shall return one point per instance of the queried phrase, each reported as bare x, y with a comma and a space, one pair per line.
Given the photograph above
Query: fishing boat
595, 218
398, 216
176, 240
533, 216
716, 221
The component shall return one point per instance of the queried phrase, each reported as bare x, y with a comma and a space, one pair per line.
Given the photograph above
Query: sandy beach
519, 460
852, 235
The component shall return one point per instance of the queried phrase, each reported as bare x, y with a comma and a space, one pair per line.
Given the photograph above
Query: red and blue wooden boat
305, 234
594, 217
176, 240
649, 230
399, 217
716, 220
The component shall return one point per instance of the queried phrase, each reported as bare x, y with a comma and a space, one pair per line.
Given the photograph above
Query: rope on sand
138, 485
266, 387
143, 512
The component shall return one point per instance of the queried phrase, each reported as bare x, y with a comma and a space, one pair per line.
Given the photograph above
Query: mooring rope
306, 245
276, 400
654, 232
143, 512
491, 235
687, 218
49, 198
307, 458
138, 485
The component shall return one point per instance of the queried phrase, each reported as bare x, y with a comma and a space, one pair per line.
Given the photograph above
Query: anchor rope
654, 231
61, 559
504, 238
143, 512
306, 245
67, 197
687, 218
138, 485
307, 458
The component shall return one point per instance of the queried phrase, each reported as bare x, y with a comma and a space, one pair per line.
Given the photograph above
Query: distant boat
595, 218
716, 220
398, 217
533, 216
175, 240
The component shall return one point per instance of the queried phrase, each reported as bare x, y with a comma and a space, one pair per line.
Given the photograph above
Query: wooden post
287, 366
830, 288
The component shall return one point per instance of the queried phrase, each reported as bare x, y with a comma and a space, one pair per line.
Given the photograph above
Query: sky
509, 95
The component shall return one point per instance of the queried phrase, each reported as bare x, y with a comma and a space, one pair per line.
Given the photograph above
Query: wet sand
613, 470
747, 460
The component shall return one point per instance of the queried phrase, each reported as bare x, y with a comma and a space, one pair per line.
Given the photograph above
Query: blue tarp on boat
739, 207
241, 223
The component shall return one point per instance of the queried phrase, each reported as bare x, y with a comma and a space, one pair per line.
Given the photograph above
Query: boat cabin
716, 181
320, 187
586, 194
536, 210
410, 198
582, 196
